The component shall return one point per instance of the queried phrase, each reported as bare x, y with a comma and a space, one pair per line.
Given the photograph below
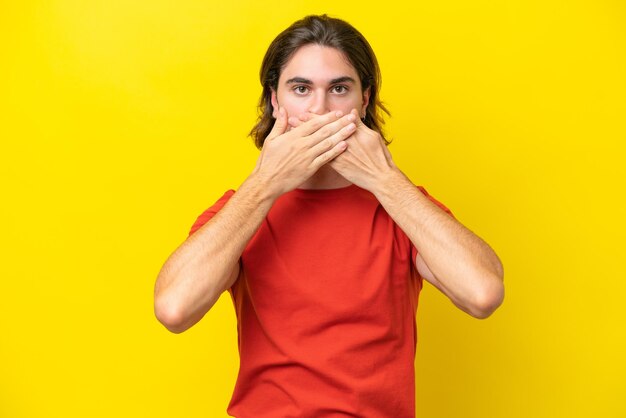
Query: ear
275, 106
366, 101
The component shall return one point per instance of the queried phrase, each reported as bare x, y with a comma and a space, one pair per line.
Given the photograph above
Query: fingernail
339, 113
351, 117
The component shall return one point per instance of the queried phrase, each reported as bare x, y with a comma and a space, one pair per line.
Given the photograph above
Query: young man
325, 245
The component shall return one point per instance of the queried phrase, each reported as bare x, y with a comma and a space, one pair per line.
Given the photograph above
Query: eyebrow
301, 80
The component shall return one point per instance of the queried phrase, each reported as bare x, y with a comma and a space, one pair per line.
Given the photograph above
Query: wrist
388, 182
262, 187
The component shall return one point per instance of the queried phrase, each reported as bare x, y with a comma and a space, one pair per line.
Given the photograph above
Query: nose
319, 103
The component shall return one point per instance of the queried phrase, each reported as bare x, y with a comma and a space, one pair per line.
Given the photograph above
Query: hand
288, 159
366, 159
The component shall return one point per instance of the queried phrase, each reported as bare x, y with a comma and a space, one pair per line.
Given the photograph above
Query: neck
325, 178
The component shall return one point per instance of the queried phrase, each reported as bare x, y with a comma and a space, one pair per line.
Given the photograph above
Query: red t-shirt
325, 303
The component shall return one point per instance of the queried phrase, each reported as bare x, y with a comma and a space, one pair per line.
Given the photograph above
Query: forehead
318, 63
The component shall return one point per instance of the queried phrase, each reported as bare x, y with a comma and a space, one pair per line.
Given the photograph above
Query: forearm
461, 261
206, 264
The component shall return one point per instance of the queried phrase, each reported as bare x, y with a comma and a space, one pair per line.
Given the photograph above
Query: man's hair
325, 31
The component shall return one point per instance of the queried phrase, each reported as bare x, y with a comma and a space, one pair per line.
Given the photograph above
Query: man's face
319, 79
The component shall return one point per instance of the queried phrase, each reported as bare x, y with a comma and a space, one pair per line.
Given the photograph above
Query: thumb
388, 155
358, 121
280, 125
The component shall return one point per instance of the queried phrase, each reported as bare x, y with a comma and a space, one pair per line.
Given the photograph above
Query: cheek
346, 104
293, 106
294, 109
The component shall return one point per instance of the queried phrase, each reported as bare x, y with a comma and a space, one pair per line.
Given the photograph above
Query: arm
207, 263
451, 257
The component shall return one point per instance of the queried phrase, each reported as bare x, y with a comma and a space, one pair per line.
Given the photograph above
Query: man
324, 246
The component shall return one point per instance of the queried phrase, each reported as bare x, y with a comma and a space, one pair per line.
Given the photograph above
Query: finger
280, 125
295, 122
317, 122
329, 155
307, 116
387, 154
303, 117
328, 143
359, 121
329, 129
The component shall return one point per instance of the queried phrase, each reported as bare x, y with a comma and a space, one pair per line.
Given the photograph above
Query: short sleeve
436, 202
210, 212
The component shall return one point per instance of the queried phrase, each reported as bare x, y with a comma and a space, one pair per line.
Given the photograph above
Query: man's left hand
366, 160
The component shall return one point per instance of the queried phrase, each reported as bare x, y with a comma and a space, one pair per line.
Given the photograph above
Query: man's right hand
290, 157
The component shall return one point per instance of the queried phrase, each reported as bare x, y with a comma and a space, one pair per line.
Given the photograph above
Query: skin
317, 80
319, 142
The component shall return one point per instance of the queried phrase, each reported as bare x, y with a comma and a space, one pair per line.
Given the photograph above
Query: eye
340, 89
301, 90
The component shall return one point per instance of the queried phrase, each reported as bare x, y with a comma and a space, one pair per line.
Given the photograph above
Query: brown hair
324, 31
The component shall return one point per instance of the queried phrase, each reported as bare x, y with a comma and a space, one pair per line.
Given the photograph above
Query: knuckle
326, 131
315, 123
325, 157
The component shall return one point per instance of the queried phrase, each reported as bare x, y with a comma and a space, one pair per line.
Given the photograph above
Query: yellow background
121, 121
